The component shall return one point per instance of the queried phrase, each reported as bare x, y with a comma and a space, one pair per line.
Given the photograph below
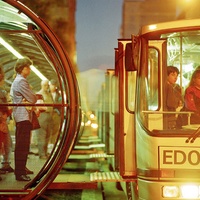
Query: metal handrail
189, 113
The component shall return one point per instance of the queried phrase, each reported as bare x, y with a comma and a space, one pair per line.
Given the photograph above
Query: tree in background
60, 16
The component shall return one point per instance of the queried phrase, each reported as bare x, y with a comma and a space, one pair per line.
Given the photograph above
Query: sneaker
7, 169
23, 178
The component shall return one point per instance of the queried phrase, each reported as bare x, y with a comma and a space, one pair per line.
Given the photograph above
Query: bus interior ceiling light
18, 55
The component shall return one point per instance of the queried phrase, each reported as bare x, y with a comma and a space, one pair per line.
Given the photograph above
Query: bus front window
178, 49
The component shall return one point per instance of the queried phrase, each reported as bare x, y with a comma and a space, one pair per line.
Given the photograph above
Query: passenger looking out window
174, 99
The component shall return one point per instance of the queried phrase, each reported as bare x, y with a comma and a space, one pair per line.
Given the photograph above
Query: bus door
125, 134
116, 111
110, 94
109, 114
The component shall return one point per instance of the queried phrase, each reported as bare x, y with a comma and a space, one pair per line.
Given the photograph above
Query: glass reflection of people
5, 113
192, 97
45, 120
53, 86
173, 94
21, 90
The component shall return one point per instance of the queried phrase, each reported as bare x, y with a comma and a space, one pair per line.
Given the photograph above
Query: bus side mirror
131, 54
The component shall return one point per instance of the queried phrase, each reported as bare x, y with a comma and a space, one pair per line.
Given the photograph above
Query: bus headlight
170, 191
189, 191
183, 191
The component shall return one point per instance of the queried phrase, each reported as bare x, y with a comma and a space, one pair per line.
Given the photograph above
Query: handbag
34, 121
33, 117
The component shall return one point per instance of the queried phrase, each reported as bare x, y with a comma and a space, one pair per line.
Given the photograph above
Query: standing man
20, 91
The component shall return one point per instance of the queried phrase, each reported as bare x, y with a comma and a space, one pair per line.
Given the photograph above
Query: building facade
137, 13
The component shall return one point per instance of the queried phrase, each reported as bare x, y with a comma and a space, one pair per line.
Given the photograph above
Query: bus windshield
171, 97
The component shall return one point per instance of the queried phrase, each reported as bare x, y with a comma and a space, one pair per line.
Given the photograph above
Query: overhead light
10, 48
18, 55
38, 73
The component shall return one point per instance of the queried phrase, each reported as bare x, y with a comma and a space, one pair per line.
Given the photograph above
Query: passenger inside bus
174, 99
192, 100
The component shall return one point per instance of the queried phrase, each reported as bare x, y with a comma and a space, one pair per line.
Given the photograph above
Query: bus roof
171, 25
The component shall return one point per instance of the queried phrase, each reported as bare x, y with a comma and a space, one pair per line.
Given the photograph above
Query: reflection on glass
152, 80
131, 76
19, 37
27, 45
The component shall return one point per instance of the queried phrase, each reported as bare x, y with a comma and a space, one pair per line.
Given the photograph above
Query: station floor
104, 190
77, 171
79, 163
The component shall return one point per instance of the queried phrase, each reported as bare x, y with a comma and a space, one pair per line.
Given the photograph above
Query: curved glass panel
22, 33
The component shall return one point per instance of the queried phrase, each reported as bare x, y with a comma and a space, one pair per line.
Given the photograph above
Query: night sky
97, 30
